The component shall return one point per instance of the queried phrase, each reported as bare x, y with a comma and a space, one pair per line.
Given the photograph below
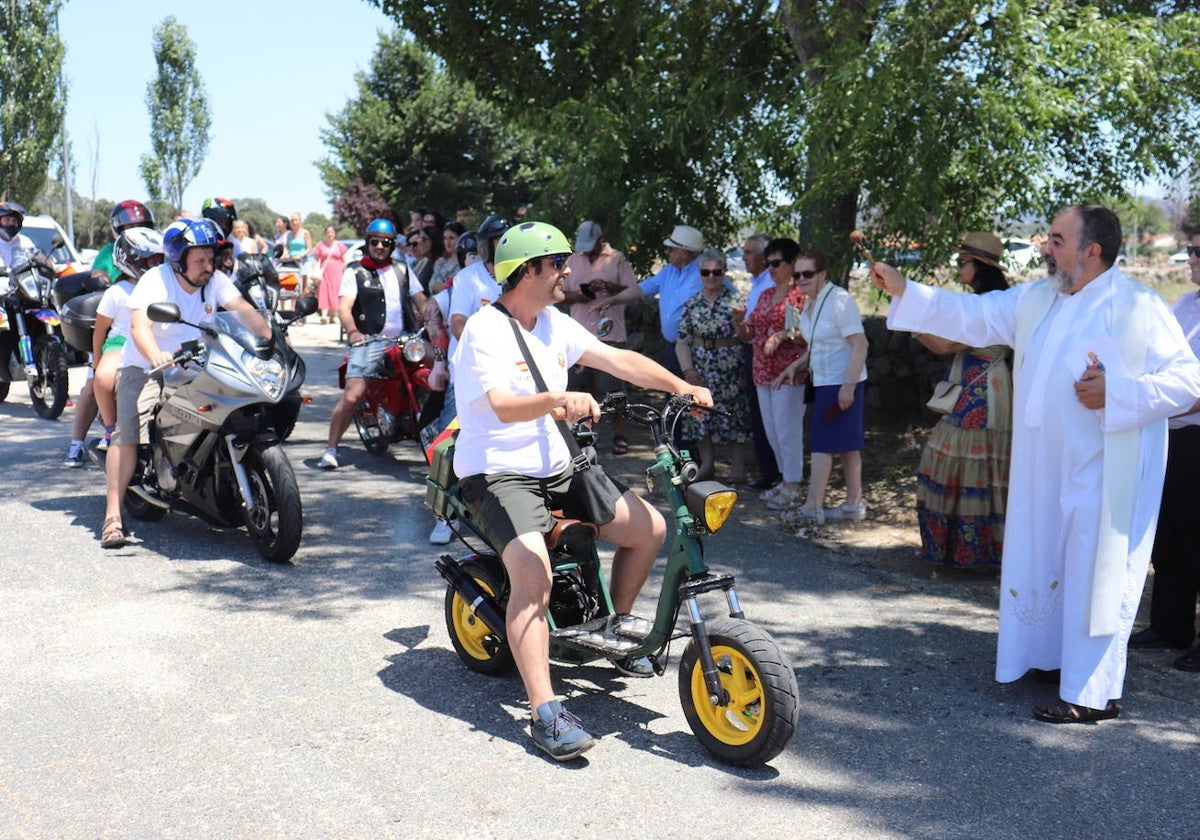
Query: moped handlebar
403, 338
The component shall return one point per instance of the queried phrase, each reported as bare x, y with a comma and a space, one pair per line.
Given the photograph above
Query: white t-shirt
160, 285
837, 318
21, 242
474, 288
488, 357
390, 278
112, 305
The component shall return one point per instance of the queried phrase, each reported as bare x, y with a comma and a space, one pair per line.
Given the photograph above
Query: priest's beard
1064, 281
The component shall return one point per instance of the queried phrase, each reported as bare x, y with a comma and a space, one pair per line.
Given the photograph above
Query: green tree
920, 119
32, 97
179, 117
423, 138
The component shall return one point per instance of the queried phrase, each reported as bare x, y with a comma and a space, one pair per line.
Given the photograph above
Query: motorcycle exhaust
148, 497
478, 602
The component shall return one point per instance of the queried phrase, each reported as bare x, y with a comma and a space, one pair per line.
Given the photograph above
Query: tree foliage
359, 204
179, 116
423, 138
32, 99
922, 120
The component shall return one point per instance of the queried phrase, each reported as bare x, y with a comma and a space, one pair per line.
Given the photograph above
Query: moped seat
569, 535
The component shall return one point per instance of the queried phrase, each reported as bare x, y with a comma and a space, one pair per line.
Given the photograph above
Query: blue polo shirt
673, 286
757, 286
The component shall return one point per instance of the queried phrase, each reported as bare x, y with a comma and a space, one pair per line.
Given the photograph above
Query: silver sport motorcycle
214, 451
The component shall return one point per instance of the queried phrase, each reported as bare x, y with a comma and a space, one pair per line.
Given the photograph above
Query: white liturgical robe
1064, 602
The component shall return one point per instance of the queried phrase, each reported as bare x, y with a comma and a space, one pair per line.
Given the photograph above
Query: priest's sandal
1060, 711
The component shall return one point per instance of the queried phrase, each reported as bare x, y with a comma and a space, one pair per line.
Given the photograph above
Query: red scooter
391, 409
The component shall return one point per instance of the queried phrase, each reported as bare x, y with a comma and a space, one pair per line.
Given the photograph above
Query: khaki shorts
507, 505
137, 394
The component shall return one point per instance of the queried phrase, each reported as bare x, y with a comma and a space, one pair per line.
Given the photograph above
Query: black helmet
492, 228
129, 214
10, 208
468, 243
221, 211
137, 250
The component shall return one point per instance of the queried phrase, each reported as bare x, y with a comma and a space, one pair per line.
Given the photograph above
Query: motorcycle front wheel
4, 391
277, 520
761, 711
49, 390
474, 642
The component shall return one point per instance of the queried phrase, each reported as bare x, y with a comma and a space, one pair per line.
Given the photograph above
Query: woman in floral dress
710, 354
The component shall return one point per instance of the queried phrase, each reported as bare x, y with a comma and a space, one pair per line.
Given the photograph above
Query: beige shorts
137, 394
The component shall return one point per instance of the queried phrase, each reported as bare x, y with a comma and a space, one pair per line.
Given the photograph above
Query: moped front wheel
48, 391
277, 520
477, 646
758, 714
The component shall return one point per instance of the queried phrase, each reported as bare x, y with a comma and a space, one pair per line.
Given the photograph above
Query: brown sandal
1061, 711
113, 535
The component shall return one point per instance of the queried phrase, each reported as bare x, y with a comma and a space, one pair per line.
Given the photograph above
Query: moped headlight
28, 282
710, 503
414, 351
269, 374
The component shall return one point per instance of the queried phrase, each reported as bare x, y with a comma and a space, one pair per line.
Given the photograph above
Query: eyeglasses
775, 263
807, 274
1193, 251
558, 261
961, 261
711, 272
376, 242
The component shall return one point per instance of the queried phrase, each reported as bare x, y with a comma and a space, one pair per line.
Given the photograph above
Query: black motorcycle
31, 343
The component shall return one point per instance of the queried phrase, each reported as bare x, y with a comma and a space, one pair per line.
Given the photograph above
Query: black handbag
590, 486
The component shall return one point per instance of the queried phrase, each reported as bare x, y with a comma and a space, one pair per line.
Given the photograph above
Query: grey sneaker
640, 667
558, 733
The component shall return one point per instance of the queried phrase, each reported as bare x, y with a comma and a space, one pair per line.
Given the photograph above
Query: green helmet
525, 242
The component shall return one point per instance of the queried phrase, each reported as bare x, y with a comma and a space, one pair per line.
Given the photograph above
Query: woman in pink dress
329, 253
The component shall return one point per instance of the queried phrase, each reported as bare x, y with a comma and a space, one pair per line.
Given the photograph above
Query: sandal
1060, 711
113, 535
620, 445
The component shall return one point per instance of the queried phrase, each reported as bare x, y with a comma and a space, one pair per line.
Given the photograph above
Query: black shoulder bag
590, 486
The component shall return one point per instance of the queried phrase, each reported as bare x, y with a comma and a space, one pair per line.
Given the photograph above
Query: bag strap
578, 460
983, 372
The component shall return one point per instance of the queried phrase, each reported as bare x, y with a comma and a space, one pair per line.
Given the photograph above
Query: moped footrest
605, 635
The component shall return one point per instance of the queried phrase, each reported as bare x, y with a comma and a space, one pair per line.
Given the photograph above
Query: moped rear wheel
760, 715
477, 646
277, 521
49, 391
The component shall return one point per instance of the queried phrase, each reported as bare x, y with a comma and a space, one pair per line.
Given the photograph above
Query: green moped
739, 693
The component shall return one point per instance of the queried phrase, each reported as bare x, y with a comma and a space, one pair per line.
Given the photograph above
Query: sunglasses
1193, 251
807, 274
375, 242
961, 261
558, 261
416, 239
775, 263
711, 272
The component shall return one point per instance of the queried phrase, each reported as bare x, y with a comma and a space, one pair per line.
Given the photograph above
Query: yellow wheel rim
469, 628
741, 720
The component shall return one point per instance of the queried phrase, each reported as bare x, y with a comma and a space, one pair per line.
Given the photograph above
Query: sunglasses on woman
711, 272
807, 274
775, 263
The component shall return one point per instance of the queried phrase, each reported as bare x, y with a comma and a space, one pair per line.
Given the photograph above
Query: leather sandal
113, 534
1060, 711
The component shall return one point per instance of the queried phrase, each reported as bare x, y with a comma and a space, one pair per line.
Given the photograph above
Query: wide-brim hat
685, 237
984, 247
587, 236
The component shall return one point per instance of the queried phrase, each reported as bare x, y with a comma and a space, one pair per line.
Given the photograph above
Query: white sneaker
441, 533
856, 512
328, 461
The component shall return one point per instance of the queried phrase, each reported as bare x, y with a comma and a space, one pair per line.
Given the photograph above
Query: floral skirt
962, 487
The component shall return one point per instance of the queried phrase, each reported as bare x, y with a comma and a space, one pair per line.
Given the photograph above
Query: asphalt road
182, 687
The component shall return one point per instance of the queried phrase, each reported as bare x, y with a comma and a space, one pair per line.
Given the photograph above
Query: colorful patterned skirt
962, 483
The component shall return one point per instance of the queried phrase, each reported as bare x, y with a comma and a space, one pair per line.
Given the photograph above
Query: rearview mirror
164, 313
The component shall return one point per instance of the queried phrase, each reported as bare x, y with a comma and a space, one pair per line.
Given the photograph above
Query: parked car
1021, 254
1178, 258
51, 239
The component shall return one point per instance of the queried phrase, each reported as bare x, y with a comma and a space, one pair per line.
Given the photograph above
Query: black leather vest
370, 303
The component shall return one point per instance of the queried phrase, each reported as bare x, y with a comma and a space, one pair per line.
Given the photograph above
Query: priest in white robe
1100, 364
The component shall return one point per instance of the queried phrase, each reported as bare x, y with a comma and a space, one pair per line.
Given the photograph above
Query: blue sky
272, 71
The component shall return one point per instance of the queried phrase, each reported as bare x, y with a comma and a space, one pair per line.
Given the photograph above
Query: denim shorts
365, 359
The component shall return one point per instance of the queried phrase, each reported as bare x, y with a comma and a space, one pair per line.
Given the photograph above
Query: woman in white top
836, 359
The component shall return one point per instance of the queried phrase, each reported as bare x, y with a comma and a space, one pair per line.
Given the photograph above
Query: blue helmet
184, 234
382, 227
